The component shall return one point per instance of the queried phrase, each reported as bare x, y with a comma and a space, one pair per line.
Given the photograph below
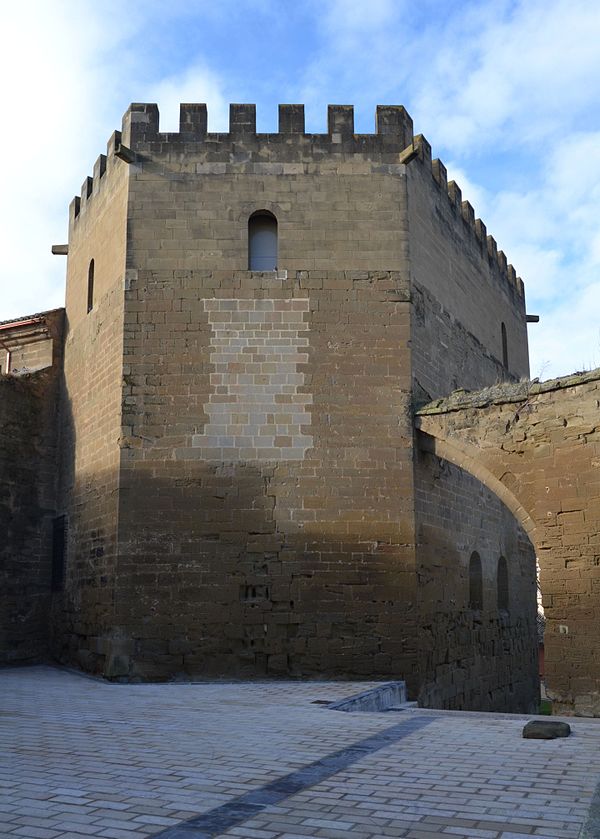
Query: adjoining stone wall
537, 447
28, 358
24, 554
31, 343
486, 659
473, 661
28, 416
293, 559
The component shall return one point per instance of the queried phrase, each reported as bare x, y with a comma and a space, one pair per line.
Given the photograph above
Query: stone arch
467, 457
536, 445
462, 629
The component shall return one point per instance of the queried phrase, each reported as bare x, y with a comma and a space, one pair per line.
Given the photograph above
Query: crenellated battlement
392, 144
393, 128
103, 167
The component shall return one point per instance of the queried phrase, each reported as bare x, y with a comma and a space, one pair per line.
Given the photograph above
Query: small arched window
502, 585
504, 347
90, 290
475, 582
262, 241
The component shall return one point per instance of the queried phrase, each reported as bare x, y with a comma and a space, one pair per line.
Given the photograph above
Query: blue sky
507, 93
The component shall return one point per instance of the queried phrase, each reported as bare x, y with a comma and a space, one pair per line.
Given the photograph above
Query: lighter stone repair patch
256, 410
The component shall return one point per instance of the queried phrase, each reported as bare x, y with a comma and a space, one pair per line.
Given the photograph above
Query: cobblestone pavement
85, 758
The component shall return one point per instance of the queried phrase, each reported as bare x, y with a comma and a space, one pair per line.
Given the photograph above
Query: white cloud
195, 84
568, 337
54, 112
476, 194
70, 71
551, 233
514, 74
355, 17
366, 50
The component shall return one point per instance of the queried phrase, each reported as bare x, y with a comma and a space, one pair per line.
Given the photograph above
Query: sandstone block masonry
256, 410
28, 489
281, 560
238, 469
536, 446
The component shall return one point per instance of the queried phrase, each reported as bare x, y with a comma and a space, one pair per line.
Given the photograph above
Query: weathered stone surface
248, 512
505, 393
28, 484
484, 660
545, 730
537, 447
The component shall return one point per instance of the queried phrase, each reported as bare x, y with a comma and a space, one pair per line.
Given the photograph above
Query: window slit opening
475, 582
262, 241
502, 585
90, 287
504, 347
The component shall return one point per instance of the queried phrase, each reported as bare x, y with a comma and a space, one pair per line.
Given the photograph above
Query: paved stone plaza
84, 758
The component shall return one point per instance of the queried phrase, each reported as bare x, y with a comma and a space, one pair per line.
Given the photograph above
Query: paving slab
269, 760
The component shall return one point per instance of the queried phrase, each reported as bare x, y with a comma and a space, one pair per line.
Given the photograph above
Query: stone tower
239, 473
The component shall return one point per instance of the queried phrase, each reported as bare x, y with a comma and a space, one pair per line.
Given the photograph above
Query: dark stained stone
545, 730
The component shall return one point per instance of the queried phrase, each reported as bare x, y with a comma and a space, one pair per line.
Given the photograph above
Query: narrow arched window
475, 582
262, 241
504, 347
502, 583
90, 294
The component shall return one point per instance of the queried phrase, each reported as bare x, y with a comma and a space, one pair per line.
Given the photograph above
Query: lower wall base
119, 665
485, 664
23, 629
586, 705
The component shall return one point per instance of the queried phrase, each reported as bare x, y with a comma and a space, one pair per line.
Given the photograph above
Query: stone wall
483, 660
31, 343
536, 446
28, 358
462, 292
446, 355
98, 232
290, 551
453, 258
239, 472
473, 659
28, 465
255, 540
83, 613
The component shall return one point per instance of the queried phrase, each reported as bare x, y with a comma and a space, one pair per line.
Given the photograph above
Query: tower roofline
392, 144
